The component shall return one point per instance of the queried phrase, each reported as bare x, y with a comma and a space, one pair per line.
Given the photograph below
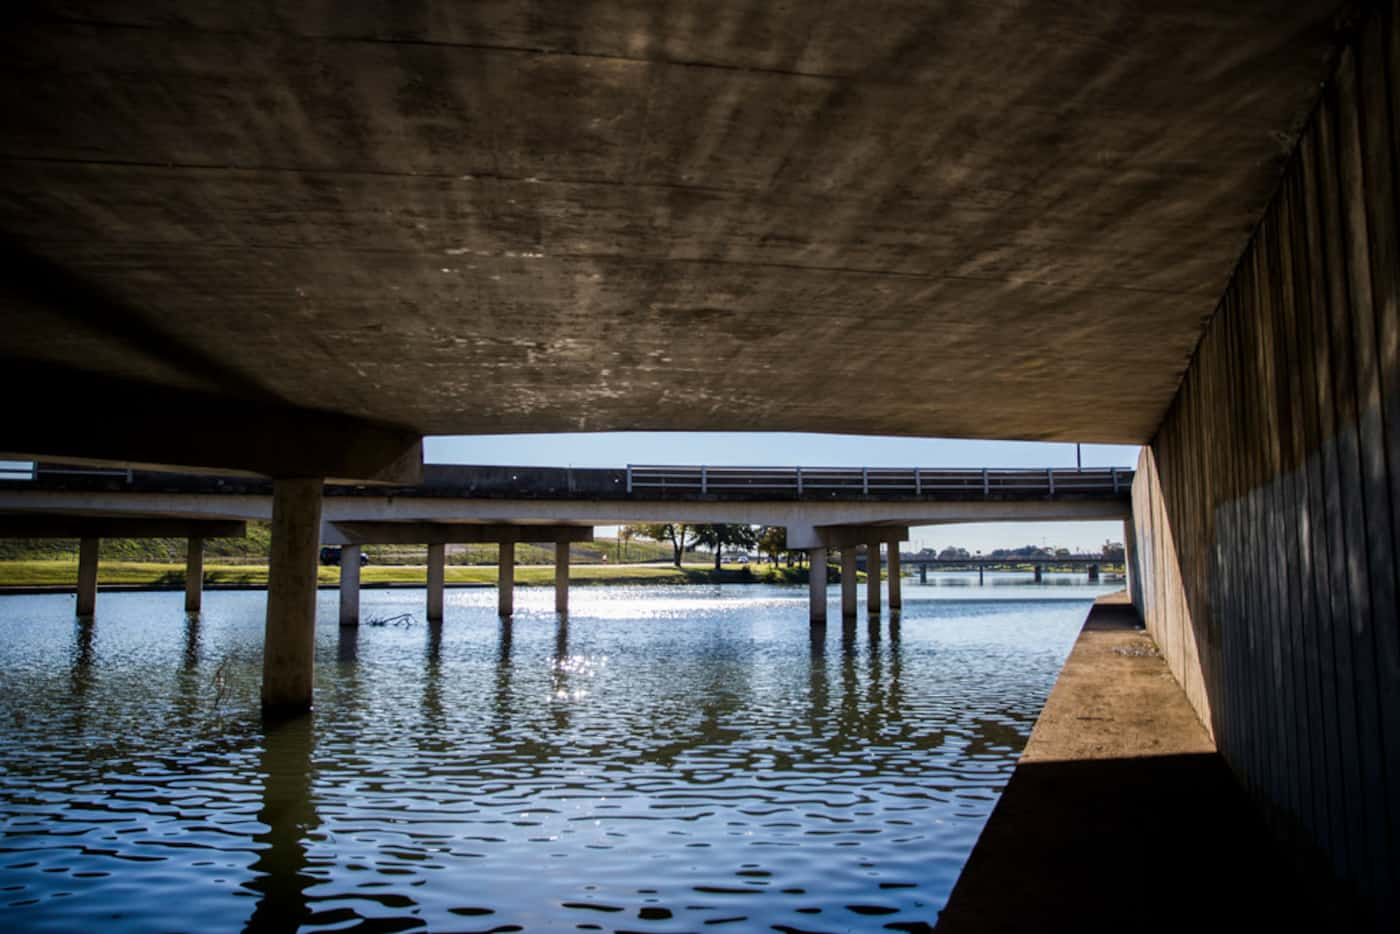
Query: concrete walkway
1120, 814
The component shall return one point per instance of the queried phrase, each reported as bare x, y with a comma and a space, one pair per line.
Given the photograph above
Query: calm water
668, 759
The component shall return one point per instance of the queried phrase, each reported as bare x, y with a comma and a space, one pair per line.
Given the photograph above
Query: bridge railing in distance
646, 479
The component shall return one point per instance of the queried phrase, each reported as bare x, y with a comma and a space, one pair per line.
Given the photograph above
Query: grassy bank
60, 572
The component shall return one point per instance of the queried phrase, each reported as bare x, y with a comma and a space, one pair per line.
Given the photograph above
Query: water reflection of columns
289, 813
503, 678
80, 674
895, 694
559, 677
849, 718
817, 688
187, 683
875, 679
432, 682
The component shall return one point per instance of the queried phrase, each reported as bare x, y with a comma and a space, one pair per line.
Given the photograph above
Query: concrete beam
194, 574
437, 580
449, 533
87, 576
350, 585
251, 433
62, 525
290, 635
842, 536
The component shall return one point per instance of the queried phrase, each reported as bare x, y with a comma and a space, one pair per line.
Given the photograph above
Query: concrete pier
505, 581
87, 576
1039, 574
289, 637
816, 584
194, 574
561, 577
437, 579
896, 589
350, 585
848, 582
872, 577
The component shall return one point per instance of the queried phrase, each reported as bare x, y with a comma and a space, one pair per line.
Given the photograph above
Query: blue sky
617, 449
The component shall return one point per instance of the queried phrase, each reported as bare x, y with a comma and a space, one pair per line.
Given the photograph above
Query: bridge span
820, 508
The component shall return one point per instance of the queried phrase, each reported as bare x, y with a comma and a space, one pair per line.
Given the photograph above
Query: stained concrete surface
1120, 815
538, 216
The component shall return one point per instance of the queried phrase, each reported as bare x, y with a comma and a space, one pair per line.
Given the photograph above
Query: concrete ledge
1120, 814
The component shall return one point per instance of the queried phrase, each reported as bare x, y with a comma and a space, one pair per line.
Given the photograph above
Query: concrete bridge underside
293, 239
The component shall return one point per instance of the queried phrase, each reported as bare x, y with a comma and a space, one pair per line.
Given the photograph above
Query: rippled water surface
667, 759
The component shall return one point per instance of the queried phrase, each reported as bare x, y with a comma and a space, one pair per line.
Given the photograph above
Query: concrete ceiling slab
993, 219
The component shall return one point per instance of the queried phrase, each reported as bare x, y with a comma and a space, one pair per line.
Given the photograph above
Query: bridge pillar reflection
816, 584
896, 587
872, 576
437, 580
87, 576
290, 635
505, 580
848, 581
194, 574
561, 577
350, 585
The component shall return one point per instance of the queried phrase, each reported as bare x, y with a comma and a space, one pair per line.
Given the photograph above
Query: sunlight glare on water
666, 758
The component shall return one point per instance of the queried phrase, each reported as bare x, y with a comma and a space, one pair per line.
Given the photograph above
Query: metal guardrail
917, 481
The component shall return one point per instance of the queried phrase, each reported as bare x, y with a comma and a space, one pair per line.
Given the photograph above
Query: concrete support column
816, 584
981, 575
505, 582
437, 581
896, 586
561, 577
848, 582
923, 573
872, 577
87, 576
350, 585
1039, 573
290, 635
194, 574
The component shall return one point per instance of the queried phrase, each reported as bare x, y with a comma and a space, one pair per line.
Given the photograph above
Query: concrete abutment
1262, 553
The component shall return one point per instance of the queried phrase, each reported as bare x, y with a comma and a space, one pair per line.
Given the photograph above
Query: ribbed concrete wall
1267, 508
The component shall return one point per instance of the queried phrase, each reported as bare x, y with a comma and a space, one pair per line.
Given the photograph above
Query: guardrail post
799, 481
704, 480
1050, 476
986, 483
629, 479
918, 482
1113, 472
865, 480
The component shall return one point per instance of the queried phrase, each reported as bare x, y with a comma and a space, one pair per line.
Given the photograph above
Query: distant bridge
819, 507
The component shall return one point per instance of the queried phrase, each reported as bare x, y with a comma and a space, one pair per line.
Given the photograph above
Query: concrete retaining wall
1267, 508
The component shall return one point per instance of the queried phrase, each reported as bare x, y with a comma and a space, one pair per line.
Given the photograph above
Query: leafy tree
680, 535
1113, 550
719, 537
952, 552
772, 541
